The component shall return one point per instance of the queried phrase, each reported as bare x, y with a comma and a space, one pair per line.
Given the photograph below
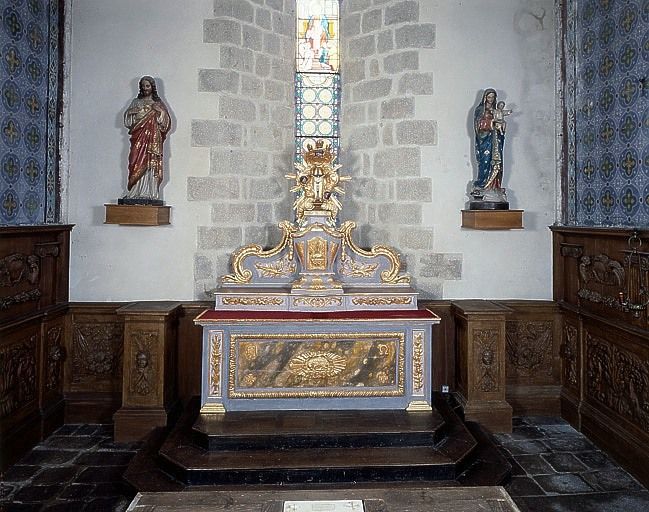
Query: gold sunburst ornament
317, 365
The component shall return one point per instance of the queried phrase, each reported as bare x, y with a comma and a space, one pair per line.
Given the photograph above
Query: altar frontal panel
307, 365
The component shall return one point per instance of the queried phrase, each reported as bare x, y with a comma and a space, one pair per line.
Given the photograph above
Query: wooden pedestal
492, 219
149, 371
481, 381
137, 215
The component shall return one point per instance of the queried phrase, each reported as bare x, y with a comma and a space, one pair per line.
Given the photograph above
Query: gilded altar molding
529, 346
399, 389
216, 357
318, 302
486, 341
418, 362
252, 301
97, 350
17, 375
352, 268
284, 267
144, 370
381, 301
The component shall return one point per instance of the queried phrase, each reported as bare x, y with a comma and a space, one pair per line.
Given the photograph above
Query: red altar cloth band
211, 315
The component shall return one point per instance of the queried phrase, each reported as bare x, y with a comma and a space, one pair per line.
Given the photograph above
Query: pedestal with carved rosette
481, 382
149, 373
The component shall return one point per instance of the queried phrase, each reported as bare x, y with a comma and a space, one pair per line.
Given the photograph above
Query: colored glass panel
317, 78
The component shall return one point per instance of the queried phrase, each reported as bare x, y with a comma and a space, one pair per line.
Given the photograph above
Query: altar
316, 322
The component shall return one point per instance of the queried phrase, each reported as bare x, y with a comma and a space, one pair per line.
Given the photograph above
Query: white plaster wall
507, 45
114, 43
480, 43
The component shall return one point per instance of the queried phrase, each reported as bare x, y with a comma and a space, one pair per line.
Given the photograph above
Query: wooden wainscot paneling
149, 390
615, 407
190, 346
93, 367
480, 338
33, 301
443, 345
605, 346
20, 426
533, 366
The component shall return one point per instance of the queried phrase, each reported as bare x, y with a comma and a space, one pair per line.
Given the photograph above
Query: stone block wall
249, 132
384, 138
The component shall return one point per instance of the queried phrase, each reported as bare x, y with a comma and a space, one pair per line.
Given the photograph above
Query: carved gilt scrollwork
144, 370
418, 362
216, 349
486, 341
97, 350
529, 346
17, 375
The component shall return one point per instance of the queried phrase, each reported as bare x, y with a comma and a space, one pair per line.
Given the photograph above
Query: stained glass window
317, 78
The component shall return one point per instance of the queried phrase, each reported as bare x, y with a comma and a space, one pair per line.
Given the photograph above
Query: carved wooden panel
96, 355
144, 366
570, 354
19, 275
486, 372
529, 349
618, 379
54, 355
18, 374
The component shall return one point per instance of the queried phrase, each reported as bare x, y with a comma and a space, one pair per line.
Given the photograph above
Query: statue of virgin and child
489, 125
148, 122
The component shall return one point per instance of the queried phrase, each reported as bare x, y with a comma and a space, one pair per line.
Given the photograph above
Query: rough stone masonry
251, 132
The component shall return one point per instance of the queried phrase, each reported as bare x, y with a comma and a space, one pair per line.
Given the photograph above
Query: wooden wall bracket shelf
492, 219
137, 215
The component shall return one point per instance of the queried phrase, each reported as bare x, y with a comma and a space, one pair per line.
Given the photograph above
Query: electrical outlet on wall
444, 388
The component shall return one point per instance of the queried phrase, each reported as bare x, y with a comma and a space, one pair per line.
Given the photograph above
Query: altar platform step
317, 429
459, 454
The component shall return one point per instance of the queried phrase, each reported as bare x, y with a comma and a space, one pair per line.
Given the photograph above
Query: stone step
316, 429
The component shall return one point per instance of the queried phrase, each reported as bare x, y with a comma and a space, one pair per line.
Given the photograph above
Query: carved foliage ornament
602, 270
569, 353
529, 347
618, 379
418, 362
216, 344
17, 375
14, 270
486, 341
97, 350
144, 369
55, 356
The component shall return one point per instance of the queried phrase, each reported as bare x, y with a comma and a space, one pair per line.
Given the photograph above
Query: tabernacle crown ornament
317, 183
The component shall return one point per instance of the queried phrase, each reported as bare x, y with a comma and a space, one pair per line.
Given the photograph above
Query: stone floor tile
53, 475
576, 443
6, 490
107, 504
523, 486
534, 464
67, 430
40, 457
21, 473
525, 447
105, 458
77, 491
558, 430
72, 442
64, 506
517, 469
111, 489
564, 462
38, 493
525, 433
99, 474
563, 484
611, 480
88, 430
518, 420
596, 460
21, 507
544, 420
591, 502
